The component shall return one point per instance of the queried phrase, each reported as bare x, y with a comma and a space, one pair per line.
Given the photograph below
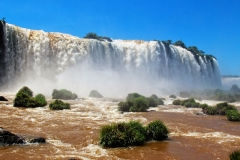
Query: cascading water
28, 56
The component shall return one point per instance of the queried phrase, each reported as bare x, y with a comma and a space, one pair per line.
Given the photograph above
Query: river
74, 134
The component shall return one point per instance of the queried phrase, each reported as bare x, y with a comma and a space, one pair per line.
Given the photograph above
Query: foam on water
220, 137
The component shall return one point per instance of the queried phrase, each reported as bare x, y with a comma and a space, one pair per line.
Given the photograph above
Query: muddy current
74, 134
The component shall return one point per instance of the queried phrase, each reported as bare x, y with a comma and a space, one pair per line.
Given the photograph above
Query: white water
44, 61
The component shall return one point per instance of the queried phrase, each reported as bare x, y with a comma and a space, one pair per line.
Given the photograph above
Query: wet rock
199, 114
38, 140
8, 138
3, 98
95, 94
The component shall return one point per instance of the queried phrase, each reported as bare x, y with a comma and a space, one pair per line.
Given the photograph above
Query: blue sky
211, 25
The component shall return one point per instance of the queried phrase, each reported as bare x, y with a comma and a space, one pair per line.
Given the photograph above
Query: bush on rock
133, 133
59, 105
156, 130
63, 94
189, 103
176, 102
95, 94
235, 155
138, 103
24, 98
233, 115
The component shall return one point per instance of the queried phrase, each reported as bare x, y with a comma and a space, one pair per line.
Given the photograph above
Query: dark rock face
3, 98
7, 138
38, 140
95, 94
2, 53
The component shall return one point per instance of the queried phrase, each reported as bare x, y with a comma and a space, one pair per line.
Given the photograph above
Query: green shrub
190, 103
157, 100
136, 133
203, 106
74, 96
132, 96
235, 155
160, 101
156, 130
122, 134
24, 99
233, 115
41, 100
221, 108
140, 104
209, 110
26, 90
152, 102
95, 94
176, 102
21, 99
59, 105
63, 94
125, 106
172, 96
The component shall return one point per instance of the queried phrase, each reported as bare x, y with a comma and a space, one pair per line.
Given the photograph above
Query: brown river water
74, 134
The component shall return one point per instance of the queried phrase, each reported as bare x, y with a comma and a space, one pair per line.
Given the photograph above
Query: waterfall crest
26, 54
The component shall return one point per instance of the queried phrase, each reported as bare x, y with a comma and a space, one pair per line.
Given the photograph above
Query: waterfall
151, 66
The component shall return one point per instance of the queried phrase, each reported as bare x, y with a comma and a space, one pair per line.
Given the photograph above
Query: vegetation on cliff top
3, 20
92, 35
193, 49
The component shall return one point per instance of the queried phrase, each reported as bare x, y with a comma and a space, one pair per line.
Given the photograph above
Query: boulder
37, 140
3, 98
8, 138
95, 94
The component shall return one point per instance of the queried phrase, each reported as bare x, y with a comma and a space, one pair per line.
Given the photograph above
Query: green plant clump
133, 133
59, 105
219, 109
157, 100
24, 98
138, 103
122, 134
176, 102
63, 94
235, 155
95, 94
41, 99
189, 103
156, 130
132, 96
233, 115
